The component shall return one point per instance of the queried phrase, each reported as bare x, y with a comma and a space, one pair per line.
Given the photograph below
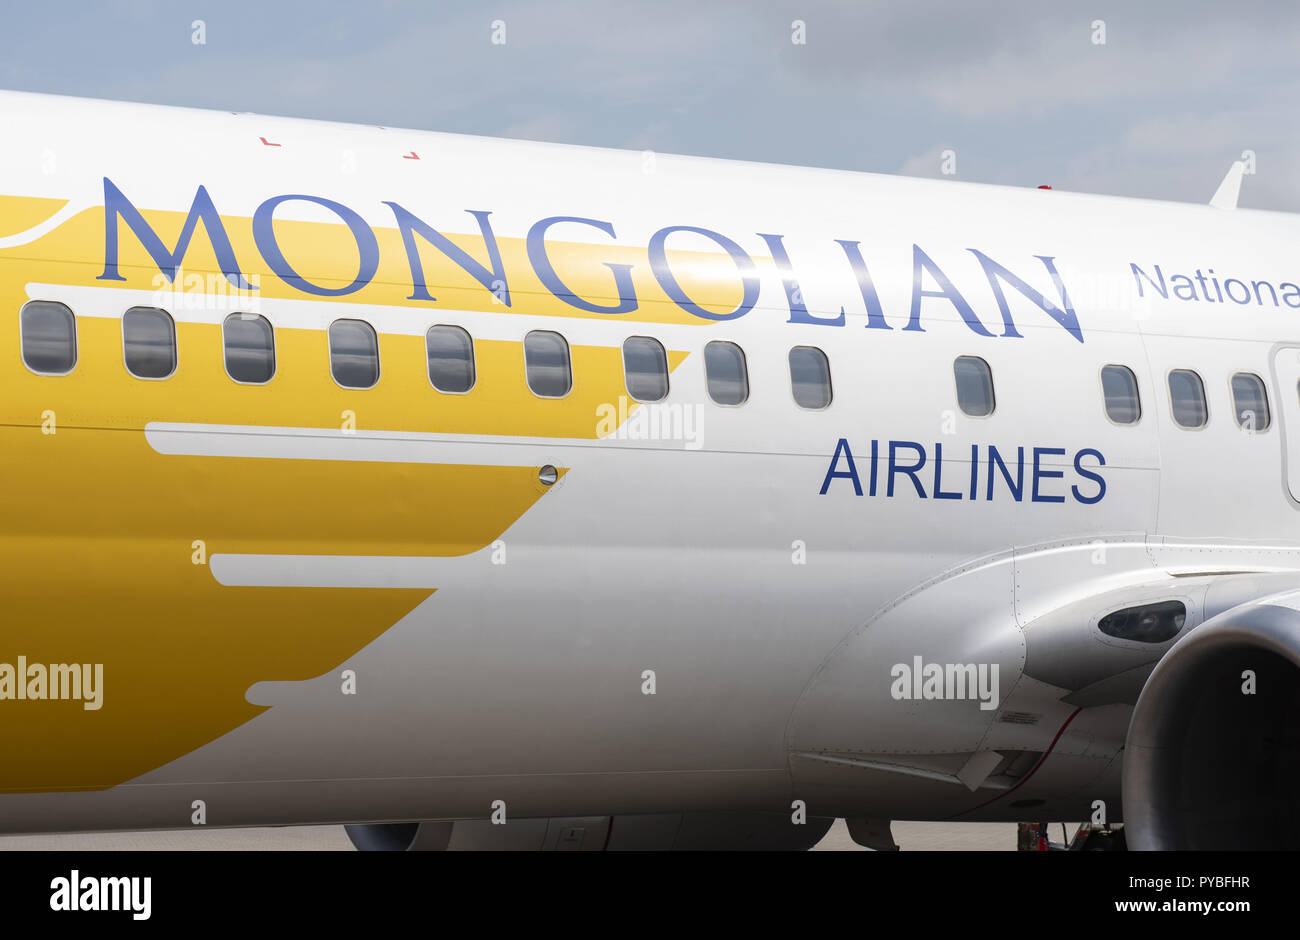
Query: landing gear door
1286, 374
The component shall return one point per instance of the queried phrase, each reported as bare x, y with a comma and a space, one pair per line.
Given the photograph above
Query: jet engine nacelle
658, 832
1213, 750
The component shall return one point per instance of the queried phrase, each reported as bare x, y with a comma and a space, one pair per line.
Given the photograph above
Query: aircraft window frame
992, 389
374, 338
472, 361
1106, 401
36, 306
172, 345
1263, 398
568, 364
225, 346
662, 372
827, 386
709, 380
1205, 404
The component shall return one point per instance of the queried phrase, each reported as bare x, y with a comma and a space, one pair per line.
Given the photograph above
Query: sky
1152, 99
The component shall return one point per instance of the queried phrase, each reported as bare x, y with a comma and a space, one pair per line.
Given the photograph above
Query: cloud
1018, 89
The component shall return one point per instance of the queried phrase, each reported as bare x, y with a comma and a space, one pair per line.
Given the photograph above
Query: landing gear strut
1033, 837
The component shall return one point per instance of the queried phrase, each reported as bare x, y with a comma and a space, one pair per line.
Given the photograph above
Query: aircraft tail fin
1225, 197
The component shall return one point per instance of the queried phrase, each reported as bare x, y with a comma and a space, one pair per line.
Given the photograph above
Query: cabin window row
1187, 400
49, 347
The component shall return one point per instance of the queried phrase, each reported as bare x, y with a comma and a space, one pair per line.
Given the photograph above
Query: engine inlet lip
1258, 626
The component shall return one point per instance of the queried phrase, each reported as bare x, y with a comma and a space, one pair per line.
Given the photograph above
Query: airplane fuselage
297, 599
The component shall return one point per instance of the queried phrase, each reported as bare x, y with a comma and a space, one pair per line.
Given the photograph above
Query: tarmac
910, 836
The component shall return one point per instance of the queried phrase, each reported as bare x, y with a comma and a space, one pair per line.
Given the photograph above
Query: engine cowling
657, 832
1212, 757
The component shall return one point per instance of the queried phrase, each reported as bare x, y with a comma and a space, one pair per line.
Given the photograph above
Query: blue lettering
1046, 474
1183, 287
1095, 477
1245, 291
994, 271
851, 473
409, 225
536, 244
1258, 298
1018, 487
875, 314
921, 263
1164, 291
938, 474
117, 206
910, 471
664, 275
793, 293
367, 245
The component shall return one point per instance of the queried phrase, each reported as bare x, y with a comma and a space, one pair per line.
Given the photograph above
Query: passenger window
149, 342
645, 368
250, 348
451, 358
546, 361
1120, 388
724, 367
810, 377
974, 386
1250, 402
49, 337
354, 353
1187, 399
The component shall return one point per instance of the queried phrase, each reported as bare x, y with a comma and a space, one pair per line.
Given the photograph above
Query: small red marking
268, 143
1025, 779
411, 156
1044, 187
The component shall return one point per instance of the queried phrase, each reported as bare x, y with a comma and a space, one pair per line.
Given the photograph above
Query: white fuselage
726, 552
